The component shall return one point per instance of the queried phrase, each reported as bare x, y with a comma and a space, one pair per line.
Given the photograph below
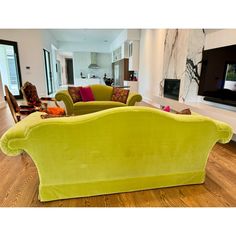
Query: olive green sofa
102, 95
116, 150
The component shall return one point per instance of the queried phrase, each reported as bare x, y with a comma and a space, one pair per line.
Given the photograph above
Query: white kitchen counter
133, 85
87, 82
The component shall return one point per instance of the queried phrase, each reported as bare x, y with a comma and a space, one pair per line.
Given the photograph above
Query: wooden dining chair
17, 111
30, 94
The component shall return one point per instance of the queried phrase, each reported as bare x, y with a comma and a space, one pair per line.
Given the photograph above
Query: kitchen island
87, 82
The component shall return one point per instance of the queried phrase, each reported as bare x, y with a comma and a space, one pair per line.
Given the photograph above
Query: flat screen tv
171, 88
218, 75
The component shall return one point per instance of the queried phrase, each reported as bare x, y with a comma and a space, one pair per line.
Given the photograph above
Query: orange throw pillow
55, 111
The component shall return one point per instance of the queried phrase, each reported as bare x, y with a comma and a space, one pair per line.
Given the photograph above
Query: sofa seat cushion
81, 108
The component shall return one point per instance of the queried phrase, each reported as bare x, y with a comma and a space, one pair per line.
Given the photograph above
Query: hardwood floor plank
219, 192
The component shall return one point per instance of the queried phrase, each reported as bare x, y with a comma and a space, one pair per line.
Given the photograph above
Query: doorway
69, 71
58, 70
10, 67
48, 71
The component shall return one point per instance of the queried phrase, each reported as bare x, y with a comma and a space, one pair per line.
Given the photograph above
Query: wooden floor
19, 184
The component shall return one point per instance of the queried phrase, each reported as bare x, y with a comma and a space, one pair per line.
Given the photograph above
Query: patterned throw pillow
31, 94
75, 94
120, 95
184, 112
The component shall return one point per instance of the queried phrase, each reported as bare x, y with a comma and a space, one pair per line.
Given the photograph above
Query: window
9, 67
48, 71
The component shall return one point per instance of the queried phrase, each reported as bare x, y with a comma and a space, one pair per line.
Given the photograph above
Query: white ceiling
86, 35
92, 35
96, 40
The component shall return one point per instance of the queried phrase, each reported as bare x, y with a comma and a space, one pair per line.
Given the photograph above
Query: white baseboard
147, 100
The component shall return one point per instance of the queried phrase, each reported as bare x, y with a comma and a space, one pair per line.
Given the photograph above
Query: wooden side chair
30, 94
17, 111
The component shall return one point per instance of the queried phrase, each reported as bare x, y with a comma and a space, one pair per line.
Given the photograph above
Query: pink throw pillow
86, 94
166, 108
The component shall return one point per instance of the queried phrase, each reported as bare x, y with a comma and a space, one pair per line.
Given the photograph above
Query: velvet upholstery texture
102, 93
116, 150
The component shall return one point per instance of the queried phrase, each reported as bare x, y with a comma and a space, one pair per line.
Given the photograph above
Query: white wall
50, 43
30, 48
83, 47
151, 56
61, 58
30, 54
220, 38
81, 61
104, 61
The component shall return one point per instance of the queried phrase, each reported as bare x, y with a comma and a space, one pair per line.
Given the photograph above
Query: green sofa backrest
115, 150
101, 92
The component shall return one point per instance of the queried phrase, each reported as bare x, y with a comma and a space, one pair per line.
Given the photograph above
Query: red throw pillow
120, 95
75, 94
86, 94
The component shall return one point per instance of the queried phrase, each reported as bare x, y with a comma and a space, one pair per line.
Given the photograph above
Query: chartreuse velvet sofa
116, 150
102, 95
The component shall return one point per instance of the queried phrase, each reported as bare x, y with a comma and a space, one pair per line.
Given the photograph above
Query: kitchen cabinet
133, 52
117, 54
120, 71
121, 52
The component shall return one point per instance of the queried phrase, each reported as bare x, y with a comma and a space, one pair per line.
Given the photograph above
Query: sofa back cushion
86, 94
101, 92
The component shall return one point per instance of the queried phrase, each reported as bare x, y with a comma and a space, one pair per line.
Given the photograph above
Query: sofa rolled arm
64, 96
133, 98
225, 132
7, 148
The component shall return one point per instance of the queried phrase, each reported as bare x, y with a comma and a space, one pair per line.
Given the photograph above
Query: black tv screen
218, 75
171, 88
